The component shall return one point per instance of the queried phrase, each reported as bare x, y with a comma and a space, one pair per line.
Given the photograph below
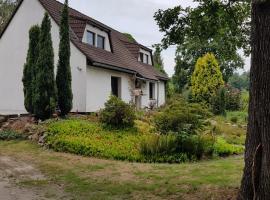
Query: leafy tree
240, 82
158, 60
44, 99
206, 79
63, 78
256, 178
221, 27
29, 72
181, 75
6, 9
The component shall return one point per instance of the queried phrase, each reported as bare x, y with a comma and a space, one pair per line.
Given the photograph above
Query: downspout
158, 94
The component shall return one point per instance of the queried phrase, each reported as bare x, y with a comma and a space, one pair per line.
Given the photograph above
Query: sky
134, 17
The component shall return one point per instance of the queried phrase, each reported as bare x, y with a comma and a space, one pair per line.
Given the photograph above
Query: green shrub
233, 99
234, 119
177, 146
222, 148
179, 116
117, 113
218, 102
10, 135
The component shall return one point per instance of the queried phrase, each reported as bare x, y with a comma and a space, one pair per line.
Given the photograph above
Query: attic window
101, 42
91, 38
146, 59
141, 57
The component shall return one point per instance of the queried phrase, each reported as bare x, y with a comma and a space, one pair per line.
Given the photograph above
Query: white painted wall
97, 31
99, 87
13, 51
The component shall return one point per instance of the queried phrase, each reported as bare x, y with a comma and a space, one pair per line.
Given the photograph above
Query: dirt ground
13, 173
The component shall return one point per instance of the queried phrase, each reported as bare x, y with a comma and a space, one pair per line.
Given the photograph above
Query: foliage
220, 27
240, 115
244, 100
170, 90
6, 9
182, 74
130, 37
63, 77
91, 139
233, 99
218, 102
44, 99
158, 60
10, 135
117, 113
29, 72
240, 82
206, 79
222, 148
179, 116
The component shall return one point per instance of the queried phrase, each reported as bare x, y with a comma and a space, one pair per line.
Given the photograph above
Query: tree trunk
256, 178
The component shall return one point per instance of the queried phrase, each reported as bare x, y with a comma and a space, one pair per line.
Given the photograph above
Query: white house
103, 61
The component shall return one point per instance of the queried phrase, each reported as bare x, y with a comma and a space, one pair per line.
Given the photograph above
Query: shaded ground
27, 169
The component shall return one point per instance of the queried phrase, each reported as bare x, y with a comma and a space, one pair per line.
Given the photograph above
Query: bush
234, 120
117, 113
179, 116
218, 102
10, 135
177, 148
222, 148
233, 99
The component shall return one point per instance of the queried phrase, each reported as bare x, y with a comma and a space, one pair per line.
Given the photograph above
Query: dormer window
141, 57
91, 38
146, 59
101, 42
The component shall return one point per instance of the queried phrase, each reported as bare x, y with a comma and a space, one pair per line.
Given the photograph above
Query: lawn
90, 178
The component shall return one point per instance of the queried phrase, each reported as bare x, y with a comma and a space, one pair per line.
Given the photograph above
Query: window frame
103, 39
151, 91
94, 38
118, 86
147, 59
141, 57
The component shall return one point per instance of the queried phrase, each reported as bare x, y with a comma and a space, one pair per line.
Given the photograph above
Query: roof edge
11, 18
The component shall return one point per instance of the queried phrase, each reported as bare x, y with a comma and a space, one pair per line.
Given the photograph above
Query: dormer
145, 57
96, 37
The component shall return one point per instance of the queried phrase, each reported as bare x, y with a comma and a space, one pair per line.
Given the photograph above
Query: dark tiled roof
124, 53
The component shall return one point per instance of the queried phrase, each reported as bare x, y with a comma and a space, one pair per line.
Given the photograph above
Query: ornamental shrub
206, 79
29, 71
63, 77
44, 98
117, 113
179, 116
218, 102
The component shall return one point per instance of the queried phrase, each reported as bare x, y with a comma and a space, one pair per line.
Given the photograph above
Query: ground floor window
151, 90
116, 86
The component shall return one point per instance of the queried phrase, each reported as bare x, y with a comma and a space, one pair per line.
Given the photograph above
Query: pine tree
29, 73
45, 87
206, 79
63, 78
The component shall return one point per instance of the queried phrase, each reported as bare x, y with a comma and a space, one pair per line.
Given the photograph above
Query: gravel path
12, 173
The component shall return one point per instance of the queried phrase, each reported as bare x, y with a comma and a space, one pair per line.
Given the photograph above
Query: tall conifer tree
45, 87
29, 73
63, 78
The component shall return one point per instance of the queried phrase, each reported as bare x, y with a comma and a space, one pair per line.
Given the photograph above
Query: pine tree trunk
256, 177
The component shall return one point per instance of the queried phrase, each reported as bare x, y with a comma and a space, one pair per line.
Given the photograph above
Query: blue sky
134, 17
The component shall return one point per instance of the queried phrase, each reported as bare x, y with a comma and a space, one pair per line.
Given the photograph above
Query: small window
101, 42
116, 86
91, 38
141, 57
151, 91
146, 59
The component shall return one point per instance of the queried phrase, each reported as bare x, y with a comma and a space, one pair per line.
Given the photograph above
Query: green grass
241, 117
87, 178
